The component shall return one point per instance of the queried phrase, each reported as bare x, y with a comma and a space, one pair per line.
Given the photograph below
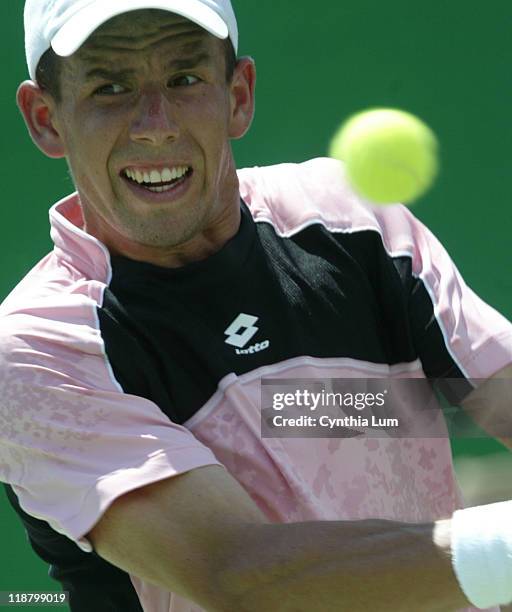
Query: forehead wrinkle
186, 42
190, 48
136, 30
138, 43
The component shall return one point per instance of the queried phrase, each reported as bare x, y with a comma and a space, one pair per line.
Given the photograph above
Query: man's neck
203, 244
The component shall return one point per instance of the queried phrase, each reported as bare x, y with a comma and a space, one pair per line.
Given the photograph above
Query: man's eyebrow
113, 74
188, 62
109, 74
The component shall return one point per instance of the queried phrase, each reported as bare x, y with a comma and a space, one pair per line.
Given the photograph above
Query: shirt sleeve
71, 441
460, 339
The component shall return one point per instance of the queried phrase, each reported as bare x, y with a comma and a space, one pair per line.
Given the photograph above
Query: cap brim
82, 24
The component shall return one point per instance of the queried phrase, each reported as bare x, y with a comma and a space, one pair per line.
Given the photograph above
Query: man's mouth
157, 181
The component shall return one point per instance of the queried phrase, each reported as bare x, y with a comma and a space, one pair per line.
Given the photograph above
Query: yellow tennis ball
390, 155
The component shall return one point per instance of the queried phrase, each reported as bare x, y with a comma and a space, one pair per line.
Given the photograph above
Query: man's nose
155, 121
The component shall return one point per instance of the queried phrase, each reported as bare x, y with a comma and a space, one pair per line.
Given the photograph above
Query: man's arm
490, 406
199, 534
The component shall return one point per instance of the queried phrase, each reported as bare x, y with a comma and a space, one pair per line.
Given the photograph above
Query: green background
448, 62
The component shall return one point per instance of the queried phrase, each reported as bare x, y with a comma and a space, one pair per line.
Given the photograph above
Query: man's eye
184, 81
111, 89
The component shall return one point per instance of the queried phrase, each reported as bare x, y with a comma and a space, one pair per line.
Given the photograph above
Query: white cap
66, 24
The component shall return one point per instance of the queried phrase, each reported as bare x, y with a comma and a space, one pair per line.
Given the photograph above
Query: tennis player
131, 355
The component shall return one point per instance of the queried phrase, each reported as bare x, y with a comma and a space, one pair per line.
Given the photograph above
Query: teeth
166, 175
161, 189
154, 176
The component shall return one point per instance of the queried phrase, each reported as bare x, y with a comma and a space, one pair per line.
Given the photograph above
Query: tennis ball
390, 155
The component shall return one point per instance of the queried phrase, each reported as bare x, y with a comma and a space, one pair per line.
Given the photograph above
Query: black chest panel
316, 294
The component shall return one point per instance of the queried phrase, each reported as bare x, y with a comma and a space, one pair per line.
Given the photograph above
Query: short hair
48, 70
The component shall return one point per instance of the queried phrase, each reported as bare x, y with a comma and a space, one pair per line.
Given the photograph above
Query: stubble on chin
164, 229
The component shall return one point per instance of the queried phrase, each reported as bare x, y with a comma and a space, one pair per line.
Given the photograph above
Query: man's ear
242, 91
36, 108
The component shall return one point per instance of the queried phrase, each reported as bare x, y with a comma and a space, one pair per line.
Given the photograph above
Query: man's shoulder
316, 183
50, 288
292, 196
51, 307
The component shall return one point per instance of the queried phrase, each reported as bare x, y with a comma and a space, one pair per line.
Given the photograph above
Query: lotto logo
241, 330
255, 348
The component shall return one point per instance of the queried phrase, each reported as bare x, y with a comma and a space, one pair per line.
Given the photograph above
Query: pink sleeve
71, 441
478, 338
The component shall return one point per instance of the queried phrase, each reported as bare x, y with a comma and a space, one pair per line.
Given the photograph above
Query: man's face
146, 98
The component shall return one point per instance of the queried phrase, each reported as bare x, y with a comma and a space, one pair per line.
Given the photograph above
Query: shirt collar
74, 245
91, 257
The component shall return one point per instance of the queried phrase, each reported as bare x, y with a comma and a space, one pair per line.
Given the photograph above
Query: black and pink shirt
115, 373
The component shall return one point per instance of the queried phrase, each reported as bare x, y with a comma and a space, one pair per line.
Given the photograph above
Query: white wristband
482, 553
